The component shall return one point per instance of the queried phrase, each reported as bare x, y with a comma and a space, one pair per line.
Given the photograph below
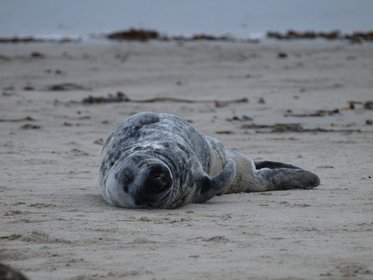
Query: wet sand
55, 225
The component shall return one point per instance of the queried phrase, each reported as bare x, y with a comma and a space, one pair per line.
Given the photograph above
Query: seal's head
139, 181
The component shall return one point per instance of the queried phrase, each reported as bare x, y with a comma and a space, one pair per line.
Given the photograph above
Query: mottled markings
193, 167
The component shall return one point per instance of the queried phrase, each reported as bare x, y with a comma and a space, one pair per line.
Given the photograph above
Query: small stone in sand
28, 87
282, 55
368, 105
37, 55
241, 119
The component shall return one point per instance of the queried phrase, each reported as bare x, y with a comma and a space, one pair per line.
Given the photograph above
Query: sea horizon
52, 19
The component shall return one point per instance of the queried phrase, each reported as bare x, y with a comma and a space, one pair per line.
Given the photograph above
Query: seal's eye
127, 179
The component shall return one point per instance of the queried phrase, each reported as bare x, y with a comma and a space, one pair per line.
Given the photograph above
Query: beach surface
307, 105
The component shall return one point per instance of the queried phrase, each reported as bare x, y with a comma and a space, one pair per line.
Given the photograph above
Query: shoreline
144, 35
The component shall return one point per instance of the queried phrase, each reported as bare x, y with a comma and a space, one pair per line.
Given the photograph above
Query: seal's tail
282, 176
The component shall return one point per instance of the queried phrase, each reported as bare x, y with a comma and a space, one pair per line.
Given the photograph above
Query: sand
55, 225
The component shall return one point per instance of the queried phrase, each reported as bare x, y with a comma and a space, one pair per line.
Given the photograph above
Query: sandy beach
308, 105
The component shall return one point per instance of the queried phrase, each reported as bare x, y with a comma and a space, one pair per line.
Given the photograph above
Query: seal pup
161, 161
8, 273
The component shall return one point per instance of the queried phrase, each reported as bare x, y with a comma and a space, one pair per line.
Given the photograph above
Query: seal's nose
158, 179
155, 180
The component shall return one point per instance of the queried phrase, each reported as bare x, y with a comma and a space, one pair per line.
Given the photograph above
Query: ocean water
239, 18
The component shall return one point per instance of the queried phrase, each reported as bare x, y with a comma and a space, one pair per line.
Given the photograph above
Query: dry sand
55, 225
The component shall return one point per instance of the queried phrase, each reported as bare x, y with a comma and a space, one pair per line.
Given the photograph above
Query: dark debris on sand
118, 97
134, 35
144, 35
122, 97
25, 119
351, 105
66, 87
355, 37
30, 126
318, 113
31, 39
367, 105
291, 127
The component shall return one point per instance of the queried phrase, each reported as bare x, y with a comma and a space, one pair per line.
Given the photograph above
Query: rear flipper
273, 165
280, 176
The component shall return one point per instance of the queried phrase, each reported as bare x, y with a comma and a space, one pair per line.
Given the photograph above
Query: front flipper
279, 176
208, 187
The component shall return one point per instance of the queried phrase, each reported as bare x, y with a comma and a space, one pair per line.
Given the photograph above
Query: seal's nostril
156, 171
150, 183
158, 179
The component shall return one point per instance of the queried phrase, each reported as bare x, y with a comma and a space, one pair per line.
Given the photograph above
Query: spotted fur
161, 161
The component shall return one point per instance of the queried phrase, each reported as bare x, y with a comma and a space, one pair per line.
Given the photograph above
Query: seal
8, 273
160, 161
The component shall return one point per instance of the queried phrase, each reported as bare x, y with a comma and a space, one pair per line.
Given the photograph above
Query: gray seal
8, 273
160, 161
